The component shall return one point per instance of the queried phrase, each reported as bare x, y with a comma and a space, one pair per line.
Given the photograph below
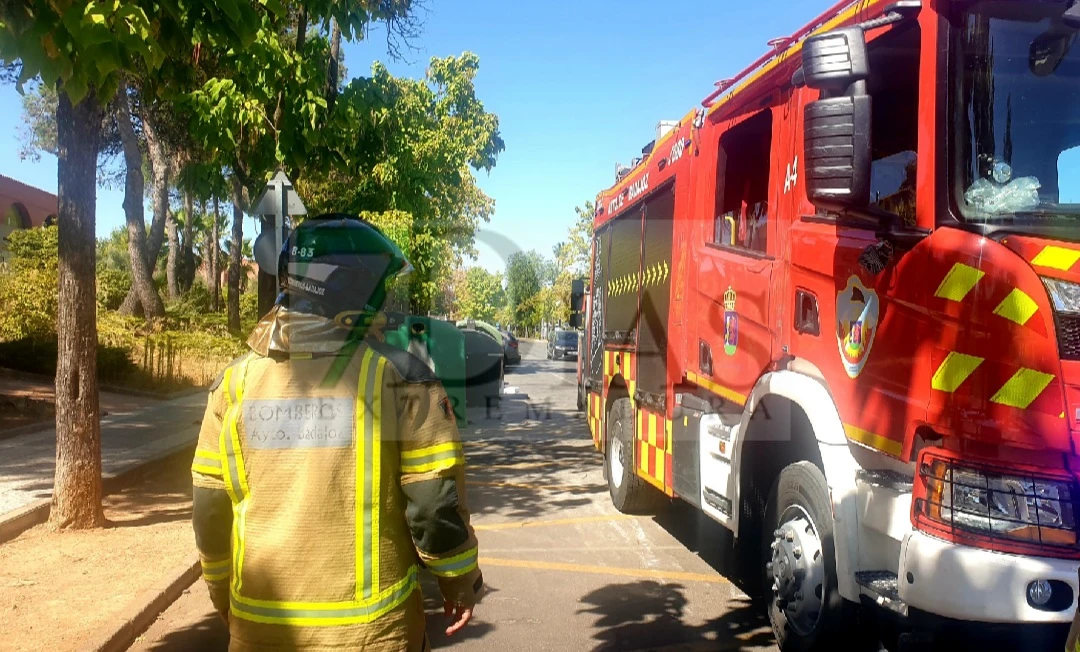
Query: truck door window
741, 215
894, 89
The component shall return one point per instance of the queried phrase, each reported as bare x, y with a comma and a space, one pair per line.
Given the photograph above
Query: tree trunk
76, 500
332, 70
215, 283
235, 257
187, 262
172, 272
142, 279
160, 171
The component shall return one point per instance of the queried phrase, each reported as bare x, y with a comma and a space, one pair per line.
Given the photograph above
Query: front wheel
805, 608
629, 493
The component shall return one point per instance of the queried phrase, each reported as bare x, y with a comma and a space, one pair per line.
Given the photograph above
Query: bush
28, 285
38, 355
112, 286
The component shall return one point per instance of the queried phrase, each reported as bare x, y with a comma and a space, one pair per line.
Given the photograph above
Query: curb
22, 519
141, 612
112, 389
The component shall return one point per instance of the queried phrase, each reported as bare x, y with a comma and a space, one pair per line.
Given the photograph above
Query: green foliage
90, 45
575, 255
113, 270
112, 286
524, 273
28, 284
411, 146
481, 295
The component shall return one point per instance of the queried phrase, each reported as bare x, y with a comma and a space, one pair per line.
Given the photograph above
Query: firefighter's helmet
337, 264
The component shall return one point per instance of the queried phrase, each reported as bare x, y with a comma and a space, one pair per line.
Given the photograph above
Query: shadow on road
207, 635
645, 614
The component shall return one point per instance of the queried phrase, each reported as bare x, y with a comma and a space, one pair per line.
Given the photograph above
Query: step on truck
837, 308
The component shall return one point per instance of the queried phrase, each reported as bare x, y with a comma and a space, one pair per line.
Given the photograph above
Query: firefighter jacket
324, 477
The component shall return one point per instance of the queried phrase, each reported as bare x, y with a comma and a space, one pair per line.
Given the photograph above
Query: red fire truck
837, 308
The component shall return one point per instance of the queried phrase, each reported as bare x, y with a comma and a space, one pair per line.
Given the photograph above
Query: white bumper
968, 583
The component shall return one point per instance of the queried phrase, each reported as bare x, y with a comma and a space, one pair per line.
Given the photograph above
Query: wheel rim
797, 570
615, 462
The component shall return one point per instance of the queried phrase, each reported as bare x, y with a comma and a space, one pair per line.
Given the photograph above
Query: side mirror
577, 303
836, 128
836, 144
835, 59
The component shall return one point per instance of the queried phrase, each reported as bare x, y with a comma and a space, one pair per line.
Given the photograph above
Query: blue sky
578, 86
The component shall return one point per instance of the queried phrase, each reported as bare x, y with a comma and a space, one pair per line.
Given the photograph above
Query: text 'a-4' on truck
837, 308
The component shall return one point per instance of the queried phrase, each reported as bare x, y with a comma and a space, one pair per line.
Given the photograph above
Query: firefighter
329, 467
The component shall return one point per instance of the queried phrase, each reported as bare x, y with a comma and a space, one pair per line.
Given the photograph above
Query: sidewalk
27, 462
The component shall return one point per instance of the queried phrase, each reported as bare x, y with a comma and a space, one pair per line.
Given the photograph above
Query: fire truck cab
837, 308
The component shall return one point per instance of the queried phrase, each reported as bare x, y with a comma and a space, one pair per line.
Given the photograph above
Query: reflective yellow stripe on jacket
432, 458
369, 602
456, 566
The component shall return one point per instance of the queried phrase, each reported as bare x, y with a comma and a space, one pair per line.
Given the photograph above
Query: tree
524, 271
414, 148
85, 50
576, 254
481, 295
142, 280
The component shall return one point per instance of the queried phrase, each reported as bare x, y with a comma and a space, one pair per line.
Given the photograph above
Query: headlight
1065, 296
956, 498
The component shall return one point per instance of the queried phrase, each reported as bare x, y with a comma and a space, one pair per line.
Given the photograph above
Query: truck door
733, 297
735, 258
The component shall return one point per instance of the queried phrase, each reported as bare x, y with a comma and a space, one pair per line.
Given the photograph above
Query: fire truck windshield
1016, 141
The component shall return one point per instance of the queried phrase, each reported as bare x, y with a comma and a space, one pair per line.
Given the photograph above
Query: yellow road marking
538, 487
558, 521
524, 465
603, 570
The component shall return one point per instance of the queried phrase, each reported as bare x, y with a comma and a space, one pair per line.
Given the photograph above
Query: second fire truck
837, 308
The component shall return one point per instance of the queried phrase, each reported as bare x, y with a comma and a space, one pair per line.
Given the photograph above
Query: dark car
511, 353
562, 345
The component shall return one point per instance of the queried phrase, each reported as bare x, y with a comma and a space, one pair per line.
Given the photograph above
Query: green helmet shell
337, 263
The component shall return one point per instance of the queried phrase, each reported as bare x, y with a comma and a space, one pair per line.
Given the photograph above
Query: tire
798, 524
629, 493
580, 398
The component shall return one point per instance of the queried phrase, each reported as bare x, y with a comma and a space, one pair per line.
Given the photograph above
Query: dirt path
55, 589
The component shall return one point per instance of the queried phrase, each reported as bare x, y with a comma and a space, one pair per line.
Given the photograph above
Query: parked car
511, 353
562, 344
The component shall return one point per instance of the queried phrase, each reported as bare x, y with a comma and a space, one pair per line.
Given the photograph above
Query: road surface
564, 570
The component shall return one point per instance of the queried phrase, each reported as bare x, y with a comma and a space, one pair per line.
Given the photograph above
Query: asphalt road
564, 570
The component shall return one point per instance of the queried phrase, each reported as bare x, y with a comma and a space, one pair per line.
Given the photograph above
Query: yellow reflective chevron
953, 371
1017, 307
1056, 257
1023, 388
958, 282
